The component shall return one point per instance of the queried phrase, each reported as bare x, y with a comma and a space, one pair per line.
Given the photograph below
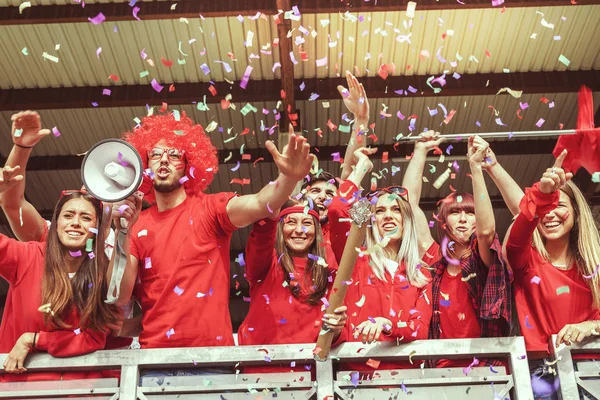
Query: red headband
299, 210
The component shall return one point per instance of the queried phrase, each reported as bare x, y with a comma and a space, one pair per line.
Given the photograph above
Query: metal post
324, 379
130, 379
520, 371
565, 370
504, 135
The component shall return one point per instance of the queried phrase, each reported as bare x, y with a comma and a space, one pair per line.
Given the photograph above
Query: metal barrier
579, 378
422, 383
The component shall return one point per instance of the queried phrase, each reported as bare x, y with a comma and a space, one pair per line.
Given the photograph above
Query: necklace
565, 266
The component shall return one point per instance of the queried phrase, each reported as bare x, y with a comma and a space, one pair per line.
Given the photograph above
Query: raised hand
355, 97
554, 178
477, 150
362, 158
27, 129
490, 159
9, 177
127, 210
429, 140
295, 161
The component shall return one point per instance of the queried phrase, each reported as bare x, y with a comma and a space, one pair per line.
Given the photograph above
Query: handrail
130, 361
570, 380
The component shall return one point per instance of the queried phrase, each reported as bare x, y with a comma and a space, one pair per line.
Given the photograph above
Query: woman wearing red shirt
390, 291
471, 286
56, 297
288, 268
557, 287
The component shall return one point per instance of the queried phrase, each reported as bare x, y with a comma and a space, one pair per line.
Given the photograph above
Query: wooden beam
323, 153
121, 11
269, 90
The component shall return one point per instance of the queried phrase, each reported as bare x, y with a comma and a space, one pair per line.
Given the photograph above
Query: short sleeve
16, 257
215, 207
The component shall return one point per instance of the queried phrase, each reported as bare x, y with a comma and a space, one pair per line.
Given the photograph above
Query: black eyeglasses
173, 154
397, 190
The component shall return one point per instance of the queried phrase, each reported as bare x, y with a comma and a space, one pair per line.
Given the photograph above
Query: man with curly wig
180, 245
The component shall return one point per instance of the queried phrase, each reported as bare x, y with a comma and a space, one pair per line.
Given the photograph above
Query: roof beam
287, 68
400, 149
68, 13
270, 90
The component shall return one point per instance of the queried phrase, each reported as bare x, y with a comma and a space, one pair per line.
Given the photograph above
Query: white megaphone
112, 171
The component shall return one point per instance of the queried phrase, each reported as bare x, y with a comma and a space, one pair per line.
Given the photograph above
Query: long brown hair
87, 289
316, 275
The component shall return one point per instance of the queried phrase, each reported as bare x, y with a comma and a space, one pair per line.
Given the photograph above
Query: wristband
23, 147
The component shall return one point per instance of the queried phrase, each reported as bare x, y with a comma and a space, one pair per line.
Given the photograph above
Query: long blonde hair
409, 247
584, 240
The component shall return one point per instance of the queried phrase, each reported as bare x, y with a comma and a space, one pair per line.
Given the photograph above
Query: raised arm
355, 99
413, 181
509, 189
259, 249
26, 223
538, 201
293, 164
485, 226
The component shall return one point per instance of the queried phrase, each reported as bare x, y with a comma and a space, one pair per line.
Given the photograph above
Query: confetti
410, 9
98, 19
595, 271
246, 77
55, 132
75, 253
562, 290
147, 263
322, 62
178, 291
527, 324
50, 57
156, 86
171, 331
536, 279
361, 302
564, 60
373, 363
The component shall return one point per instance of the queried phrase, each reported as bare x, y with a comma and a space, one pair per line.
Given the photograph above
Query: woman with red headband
288, 270
471, 294
390, 295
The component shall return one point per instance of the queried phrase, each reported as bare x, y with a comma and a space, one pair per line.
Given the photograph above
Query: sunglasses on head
80, 191
397, 190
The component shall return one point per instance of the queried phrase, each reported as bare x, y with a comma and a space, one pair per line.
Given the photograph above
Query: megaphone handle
124, 223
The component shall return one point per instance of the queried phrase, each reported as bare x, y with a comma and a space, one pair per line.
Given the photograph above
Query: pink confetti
135, 12
444, 246
540, 122
178, 291
106, 92
269, 208
75, 253
91, 255
156, 86
98, 19
55, 132
122, 208
594, 274
147, 263
192, 169
143, 54
536, 279
496, 3
98, 52
184, 180
246, 77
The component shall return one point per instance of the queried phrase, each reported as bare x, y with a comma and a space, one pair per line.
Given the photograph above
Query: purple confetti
302, 86
156, 86
122, 208
324, 301
147, 263
98, 52
496, 3
527, 324
594, 274
77, 331
106, 92
91, 256
354, 378
246, 77
178, 291
135, 12
445, 303
412, 89
143, 54
450, 147
536, 279
75, 253
523, 105
55, 132
170, 333
240, 259
540, 122
205, 69
399, 115
98, 19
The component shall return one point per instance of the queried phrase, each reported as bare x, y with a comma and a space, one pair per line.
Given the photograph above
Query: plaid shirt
489, 291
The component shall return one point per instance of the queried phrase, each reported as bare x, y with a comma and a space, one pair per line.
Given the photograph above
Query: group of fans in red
405, 285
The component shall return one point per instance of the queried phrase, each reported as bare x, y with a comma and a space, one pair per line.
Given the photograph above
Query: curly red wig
200, 154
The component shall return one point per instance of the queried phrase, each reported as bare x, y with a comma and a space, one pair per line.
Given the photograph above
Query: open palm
355, 97
27, 128
295, 161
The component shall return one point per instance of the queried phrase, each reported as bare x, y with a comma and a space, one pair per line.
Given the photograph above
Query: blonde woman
556, 279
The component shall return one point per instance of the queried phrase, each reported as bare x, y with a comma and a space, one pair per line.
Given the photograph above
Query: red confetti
246, 157
488, 54
212, 90
166, 63
225, 104
373, 363
172, 88
245, 132
519, 114
452, 188
384, 157
164, 107
331, 125
240, 181
282, 94
320, 133
114, 77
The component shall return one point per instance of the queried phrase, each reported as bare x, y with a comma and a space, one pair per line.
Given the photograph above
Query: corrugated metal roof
363, 45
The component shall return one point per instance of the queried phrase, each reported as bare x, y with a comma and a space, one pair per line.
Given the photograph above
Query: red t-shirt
561, 297
408, 307
23, 267
183, 256
458, 319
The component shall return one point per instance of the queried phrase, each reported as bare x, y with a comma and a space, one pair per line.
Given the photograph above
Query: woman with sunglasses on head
557, 287
471, 294
288, 269
389, 297
57, 289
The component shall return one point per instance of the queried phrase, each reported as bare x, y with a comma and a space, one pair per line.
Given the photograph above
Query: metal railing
578, 375
323, 384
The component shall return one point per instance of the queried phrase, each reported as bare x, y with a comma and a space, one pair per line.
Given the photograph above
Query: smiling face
461, 225
298, 233
558, 223
76, 217
167, 170
388, 218
321, 193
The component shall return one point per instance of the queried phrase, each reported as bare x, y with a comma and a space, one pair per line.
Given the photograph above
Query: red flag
584, 146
